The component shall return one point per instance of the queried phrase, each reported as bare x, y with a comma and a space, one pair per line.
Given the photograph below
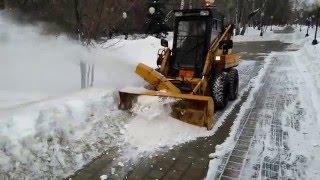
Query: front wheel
233, 81
220, 90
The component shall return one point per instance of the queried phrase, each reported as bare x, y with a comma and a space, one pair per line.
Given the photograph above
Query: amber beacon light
208, 3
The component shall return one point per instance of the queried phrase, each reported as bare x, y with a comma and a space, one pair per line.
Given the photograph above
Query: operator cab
194, 32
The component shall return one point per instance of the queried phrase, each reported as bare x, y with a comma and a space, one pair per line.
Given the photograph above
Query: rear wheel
220, 90
233, 82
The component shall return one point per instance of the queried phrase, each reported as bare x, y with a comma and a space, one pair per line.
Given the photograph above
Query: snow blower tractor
198, 72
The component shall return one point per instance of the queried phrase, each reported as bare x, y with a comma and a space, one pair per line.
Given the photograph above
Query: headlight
204, 13
218, 58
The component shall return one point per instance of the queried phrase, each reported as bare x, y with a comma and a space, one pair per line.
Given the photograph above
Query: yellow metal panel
192, 109
156, 79
139, 91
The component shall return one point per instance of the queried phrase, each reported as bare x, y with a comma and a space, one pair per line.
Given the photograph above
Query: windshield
190, 44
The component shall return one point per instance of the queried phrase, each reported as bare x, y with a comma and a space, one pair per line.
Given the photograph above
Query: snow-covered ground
253, 34
286, 142
50, 128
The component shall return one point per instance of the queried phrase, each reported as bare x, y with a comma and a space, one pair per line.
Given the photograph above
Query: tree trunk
76, 12
83, 70
244, 28
99, 19
92, 75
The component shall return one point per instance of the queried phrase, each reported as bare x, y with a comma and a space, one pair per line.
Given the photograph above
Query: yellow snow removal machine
198, 72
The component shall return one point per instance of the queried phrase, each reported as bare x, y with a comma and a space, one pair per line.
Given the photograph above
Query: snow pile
304, 141
54, 138
48, 129
153, 128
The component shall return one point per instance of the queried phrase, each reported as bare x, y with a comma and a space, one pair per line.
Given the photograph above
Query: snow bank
304, 142
48, 127
52, 139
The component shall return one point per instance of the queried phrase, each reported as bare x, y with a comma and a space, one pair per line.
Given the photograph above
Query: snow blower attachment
198, 73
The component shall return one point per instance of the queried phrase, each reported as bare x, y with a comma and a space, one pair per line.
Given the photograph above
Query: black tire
233, 82
220, 90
